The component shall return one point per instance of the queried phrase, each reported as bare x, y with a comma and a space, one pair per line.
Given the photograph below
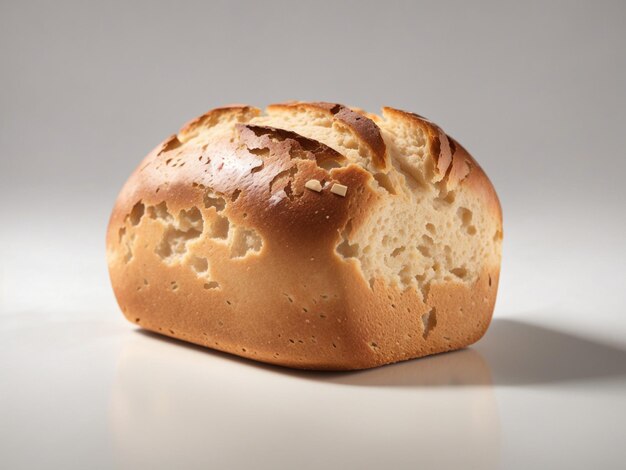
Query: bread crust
359, 123
454, 163
294, 301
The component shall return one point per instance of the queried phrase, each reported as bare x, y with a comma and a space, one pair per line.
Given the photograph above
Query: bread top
417, 209
343, 119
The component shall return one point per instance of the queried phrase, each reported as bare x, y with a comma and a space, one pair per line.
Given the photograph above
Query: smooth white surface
546, 388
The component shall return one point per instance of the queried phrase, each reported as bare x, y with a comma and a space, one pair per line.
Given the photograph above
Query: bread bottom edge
309, 363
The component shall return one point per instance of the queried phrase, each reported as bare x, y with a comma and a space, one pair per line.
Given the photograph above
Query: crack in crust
357, 123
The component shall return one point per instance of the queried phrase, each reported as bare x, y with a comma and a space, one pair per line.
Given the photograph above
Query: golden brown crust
294, 302
241, 111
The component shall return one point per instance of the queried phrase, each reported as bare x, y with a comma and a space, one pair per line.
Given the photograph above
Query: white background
534, 91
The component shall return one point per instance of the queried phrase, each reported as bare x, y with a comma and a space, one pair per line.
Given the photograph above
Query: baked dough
219, 239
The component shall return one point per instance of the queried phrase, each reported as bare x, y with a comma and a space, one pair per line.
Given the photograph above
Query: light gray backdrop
535, 90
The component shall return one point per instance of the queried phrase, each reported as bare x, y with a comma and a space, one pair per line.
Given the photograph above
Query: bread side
216, 240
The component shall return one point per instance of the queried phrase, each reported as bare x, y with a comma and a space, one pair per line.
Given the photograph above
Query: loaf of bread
311, 235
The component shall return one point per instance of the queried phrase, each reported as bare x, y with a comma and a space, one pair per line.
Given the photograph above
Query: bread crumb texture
310, 235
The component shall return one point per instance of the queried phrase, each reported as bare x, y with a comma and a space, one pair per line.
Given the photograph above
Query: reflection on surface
453, 369
176, 406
